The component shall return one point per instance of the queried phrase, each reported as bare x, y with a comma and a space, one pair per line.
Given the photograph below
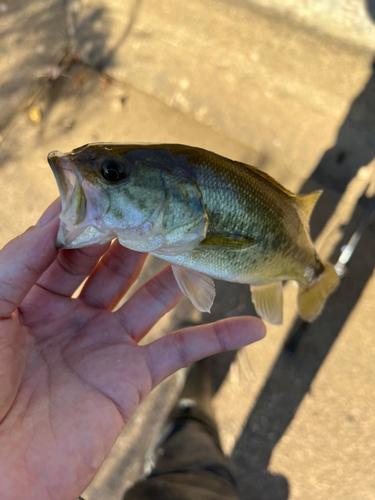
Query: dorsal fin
269, 179
307, 202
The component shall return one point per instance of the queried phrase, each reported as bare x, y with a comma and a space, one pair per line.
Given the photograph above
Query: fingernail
50, 213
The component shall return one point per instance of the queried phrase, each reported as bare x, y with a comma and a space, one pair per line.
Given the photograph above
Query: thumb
24, 259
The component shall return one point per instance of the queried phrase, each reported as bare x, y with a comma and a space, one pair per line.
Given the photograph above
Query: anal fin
268, 301
198, 287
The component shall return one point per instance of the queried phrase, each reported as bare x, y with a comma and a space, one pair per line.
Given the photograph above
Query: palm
72, 372
82, 391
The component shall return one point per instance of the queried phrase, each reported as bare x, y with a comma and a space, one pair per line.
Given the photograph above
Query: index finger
178, 349
24, 259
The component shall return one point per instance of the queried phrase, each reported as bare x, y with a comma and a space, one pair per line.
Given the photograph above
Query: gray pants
190, 464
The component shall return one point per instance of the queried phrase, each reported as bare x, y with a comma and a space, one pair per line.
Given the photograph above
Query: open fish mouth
65, 175
80, 212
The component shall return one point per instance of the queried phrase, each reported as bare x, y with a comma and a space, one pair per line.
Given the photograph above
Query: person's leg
189, 461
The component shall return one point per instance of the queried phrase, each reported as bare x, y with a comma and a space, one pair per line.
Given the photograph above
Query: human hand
71, 371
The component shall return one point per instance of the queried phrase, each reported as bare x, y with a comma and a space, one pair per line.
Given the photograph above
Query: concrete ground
252, 84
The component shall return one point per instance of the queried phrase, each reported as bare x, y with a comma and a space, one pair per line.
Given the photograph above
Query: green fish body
209, 216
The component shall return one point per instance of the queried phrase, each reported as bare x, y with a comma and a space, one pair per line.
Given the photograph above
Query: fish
210, 217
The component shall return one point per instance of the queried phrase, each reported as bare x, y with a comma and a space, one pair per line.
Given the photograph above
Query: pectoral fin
268, 301
199, 288
186, 243
227, 240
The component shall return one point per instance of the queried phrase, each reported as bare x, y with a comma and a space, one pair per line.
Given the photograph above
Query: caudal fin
311, 299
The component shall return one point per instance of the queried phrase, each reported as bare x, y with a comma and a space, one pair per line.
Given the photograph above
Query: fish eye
112, 170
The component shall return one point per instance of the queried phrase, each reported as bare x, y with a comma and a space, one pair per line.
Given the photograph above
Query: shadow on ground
21, 78
83, 33
292, 374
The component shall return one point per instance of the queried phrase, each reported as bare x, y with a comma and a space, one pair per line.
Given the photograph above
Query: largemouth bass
209, 216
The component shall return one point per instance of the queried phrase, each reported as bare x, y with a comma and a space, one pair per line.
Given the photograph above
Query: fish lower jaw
66, 236
83, 235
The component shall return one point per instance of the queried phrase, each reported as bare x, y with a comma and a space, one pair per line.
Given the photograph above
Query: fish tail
311, 299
